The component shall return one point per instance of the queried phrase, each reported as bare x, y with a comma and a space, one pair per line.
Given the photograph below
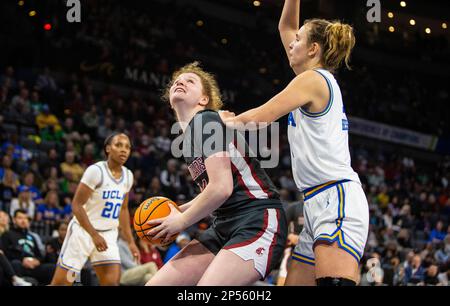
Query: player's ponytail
336, 39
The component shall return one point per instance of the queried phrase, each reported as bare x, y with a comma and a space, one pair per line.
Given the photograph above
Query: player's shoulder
94, 170
128, 177
127, 171
206, 116
98, 166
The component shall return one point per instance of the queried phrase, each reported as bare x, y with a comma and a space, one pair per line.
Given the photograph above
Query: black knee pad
334, 282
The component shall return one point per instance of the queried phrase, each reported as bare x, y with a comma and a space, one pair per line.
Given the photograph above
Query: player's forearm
185, 206
83, 219
212, 197
253, 119
290, 17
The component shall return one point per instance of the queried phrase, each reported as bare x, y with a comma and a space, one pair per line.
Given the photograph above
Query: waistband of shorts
313, 191
98, 230
251, 206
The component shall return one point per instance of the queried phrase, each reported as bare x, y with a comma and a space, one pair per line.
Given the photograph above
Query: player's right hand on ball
100, 242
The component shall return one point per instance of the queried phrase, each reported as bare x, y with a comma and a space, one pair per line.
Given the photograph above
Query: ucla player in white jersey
100, 205
336, 210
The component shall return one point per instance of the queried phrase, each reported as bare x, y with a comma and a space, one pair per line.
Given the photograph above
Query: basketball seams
153, 210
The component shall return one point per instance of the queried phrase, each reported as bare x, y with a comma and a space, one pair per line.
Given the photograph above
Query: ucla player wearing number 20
100, 205
336, 211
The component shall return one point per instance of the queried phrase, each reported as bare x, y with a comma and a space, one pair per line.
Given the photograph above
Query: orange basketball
150, 209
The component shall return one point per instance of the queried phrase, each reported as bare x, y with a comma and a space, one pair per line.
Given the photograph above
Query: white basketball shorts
336, 211
78, 247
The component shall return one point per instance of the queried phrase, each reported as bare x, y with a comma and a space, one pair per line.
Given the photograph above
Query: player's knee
334, 282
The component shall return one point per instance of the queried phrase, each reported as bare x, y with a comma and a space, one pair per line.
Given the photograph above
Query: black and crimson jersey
207, 135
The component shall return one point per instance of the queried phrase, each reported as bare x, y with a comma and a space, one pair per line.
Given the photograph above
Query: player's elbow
76, 207
226, 189
284, 27
222, 190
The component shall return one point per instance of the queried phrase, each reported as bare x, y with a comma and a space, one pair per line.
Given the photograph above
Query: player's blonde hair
336, 39
209, 84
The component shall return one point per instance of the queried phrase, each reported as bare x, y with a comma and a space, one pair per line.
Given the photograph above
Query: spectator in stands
394, 276
170, 177
22, 100
149, 253
28, 181
19, 152
46, 82
438, 234
163, 142
52, 160
70, 131
91, 121
23, 202
89, 156
19, 110
53, 247
7, 274
4, 222
7, 164
133, 272
415, 273
72, 170
431, 276
155, 188
442, 255
50, 185
48, 124
188, 188
8, 189
22, 250
105, 129
35, 103
8, 77
49, 211
53, 182
66, 213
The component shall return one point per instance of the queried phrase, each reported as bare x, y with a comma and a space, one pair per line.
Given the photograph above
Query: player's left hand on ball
168, 226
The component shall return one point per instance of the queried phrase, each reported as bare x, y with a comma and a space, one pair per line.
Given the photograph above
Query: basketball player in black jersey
248, 234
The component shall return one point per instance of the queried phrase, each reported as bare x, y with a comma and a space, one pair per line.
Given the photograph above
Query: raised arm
306, 88
289, 23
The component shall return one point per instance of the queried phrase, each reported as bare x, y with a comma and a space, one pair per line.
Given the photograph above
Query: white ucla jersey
319, 141
103, 207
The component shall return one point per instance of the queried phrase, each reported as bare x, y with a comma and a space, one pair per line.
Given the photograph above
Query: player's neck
308, 66
185, 116
114, 166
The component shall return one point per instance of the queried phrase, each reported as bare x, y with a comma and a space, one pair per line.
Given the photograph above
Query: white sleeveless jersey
103, 207
319, 141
